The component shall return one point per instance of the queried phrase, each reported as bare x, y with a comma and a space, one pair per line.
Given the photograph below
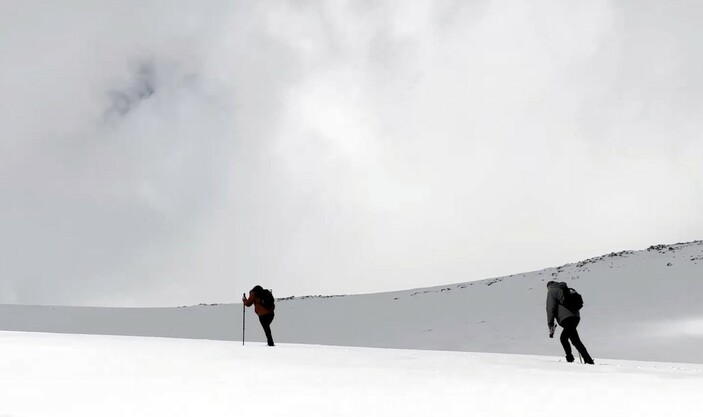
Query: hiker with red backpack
264, 305
563, 305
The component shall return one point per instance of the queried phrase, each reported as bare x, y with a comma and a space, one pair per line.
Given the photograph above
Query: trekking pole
244, 310
580, 358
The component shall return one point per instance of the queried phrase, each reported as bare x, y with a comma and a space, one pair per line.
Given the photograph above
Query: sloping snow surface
80, 375
642, 305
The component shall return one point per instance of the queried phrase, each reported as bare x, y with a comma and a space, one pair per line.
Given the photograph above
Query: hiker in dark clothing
568, 319
263, 307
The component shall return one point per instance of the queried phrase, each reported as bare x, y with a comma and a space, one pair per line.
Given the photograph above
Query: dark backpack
266, 299
572, 299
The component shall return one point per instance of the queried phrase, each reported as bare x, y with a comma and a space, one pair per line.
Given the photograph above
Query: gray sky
177, 152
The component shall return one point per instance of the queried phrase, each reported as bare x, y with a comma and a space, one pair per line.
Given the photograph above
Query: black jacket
555, 304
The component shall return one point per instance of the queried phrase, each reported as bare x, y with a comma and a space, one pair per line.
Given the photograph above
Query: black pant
570, 333
265, 321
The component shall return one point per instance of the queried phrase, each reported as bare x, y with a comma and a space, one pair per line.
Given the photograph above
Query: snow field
79, 375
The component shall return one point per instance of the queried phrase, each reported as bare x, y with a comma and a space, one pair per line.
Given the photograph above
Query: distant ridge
640, 305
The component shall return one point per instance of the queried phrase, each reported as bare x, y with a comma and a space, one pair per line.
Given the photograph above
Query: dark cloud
141, 87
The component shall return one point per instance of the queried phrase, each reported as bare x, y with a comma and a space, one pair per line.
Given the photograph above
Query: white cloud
684, 328
171, 153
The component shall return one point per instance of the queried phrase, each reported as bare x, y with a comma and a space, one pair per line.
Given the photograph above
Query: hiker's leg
569, 326
576, 341
265, 321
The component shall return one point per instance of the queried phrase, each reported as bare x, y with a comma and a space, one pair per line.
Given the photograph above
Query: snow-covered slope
640, 305
86, 376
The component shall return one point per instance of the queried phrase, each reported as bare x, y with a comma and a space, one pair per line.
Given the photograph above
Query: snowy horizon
639, 305
278, 295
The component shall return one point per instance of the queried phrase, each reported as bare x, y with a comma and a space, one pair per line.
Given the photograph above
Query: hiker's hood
556, 284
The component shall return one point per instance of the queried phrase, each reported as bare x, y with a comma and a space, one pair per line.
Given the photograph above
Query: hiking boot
569, 358
589, 361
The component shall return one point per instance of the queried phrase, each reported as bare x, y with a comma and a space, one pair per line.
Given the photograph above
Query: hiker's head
258, 290
551, 284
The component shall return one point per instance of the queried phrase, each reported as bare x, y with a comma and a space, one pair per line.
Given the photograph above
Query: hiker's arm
552, 306
248, 301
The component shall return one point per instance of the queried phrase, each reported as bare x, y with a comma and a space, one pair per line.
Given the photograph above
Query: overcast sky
164, 152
